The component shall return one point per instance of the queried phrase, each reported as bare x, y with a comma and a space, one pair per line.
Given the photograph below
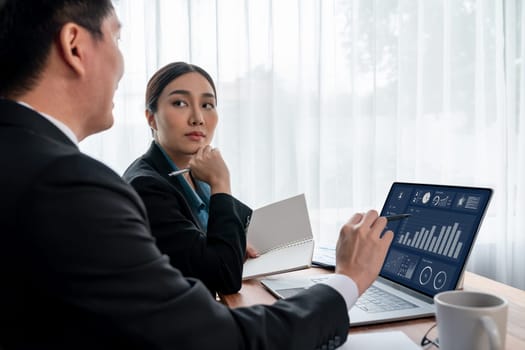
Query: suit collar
16, 115
156, 159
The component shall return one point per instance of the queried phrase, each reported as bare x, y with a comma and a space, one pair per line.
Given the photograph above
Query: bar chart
440, 235
446, 243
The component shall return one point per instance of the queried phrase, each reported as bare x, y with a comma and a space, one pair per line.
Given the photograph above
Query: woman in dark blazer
193, 216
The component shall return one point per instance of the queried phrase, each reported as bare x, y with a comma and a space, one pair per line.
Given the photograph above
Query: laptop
428, 254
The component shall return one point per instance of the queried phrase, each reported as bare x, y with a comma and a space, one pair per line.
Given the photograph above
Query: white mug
471, 320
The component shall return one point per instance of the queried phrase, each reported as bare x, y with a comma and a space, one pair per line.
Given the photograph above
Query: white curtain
339, 98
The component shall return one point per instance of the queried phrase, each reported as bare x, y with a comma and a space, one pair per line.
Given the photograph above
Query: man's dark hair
27, 30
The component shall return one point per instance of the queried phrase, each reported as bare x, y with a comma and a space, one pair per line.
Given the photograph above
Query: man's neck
59, 111
61, 126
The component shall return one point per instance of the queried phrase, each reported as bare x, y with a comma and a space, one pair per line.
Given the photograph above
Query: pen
397, 217
178, 172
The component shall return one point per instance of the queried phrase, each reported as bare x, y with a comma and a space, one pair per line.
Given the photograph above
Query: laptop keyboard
373, 300
377, 300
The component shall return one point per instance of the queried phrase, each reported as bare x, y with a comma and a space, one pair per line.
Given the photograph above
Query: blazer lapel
157, 160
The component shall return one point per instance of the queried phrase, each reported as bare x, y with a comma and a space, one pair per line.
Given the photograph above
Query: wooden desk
252, 292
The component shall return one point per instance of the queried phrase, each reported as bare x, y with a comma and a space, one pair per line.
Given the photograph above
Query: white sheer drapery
337, 99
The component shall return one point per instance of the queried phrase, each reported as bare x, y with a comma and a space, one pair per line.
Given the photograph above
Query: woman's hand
250, 252
208, 165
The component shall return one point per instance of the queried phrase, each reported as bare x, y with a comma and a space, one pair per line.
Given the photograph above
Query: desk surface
252, 292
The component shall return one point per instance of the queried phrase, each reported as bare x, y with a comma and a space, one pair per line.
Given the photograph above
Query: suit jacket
80, 268
215, 257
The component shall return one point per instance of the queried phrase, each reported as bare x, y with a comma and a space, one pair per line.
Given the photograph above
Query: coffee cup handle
492, 330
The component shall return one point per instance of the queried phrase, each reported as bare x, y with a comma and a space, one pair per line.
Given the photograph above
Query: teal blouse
198, 199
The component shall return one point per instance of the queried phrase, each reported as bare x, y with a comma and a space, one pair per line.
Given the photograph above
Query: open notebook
282, 235
428, 254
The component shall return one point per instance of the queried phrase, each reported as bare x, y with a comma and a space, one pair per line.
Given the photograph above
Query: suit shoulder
139, 167
78, 170
80, 165
141, 174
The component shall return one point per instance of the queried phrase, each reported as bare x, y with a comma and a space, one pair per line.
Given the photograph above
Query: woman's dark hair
166, 75
27, 30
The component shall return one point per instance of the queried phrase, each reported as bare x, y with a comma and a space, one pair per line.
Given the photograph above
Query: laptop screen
430, 248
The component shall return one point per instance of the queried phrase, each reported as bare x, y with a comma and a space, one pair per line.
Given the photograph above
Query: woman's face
186, 116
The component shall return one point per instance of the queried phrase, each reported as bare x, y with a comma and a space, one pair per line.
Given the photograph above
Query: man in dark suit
79, 267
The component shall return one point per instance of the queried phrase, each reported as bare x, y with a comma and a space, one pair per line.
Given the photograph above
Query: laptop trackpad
289, 292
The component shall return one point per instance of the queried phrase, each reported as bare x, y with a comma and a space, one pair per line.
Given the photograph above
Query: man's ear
73, 44
150, 117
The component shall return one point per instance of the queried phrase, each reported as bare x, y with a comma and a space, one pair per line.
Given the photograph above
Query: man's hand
360, 250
